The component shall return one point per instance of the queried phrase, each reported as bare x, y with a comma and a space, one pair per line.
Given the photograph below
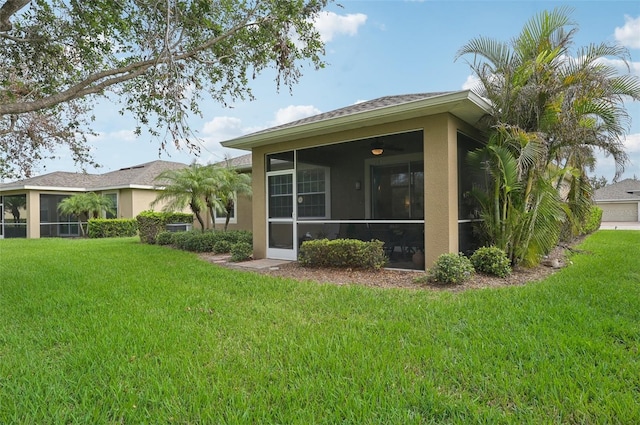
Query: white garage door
620, 212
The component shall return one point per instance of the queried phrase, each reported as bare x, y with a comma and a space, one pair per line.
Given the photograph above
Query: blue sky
373, 49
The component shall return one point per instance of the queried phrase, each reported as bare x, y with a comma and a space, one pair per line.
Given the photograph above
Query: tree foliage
185, 187
202, 188
85, 205
159, 59
552, 110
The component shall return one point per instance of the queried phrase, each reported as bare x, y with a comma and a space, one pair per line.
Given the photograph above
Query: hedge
351, 253
112, 227
593, 220
151, 223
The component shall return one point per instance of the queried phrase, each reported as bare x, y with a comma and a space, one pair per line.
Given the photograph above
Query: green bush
451, 268
593, 220
235, 236
241, 251
194, 241
165, 238
151, 223
491, 260
222, 246
342, 253
112, 227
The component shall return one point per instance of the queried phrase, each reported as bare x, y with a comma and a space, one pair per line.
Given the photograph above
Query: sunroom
391, 169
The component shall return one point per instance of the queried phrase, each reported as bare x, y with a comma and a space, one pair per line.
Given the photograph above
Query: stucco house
392, 168
29, 207
620, 201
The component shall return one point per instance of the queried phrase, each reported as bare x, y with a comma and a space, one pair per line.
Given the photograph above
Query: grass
113, 331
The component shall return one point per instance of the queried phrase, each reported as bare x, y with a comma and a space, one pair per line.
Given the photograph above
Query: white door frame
283, 253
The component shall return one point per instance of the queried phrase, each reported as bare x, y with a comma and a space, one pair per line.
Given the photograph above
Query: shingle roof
369, 105
242, 162
623, 190
55, 179
142, 175
137, 175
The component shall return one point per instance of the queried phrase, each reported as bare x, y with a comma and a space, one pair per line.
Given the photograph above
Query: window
54, 224
280, 192
221, 214
13, 216
114, 204
313, 186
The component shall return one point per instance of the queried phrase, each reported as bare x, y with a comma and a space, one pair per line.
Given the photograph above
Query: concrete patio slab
264, 263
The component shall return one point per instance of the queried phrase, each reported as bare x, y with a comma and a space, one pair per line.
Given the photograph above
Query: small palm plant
85, 205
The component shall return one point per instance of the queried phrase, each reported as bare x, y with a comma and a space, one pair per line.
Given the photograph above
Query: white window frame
117, 211
232, 220
327, 190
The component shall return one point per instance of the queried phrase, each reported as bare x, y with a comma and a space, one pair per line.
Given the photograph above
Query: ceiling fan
378, 147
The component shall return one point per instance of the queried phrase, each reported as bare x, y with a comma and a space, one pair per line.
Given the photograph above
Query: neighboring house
392, 169
619, 201
29, 207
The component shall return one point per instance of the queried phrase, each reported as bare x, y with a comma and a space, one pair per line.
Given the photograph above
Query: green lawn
113, 331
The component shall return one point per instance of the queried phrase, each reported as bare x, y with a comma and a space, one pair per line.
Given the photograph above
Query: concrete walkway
620, 225
264, 263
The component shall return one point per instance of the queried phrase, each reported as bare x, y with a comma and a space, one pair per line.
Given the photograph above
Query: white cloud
632, 143
471, 82
629, 34
622, 67
217, 130
127, 136
293, 113
330, 24
221, 128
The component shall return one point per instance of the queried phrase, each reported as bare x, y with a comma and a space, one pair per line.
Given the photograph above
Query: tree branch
98, 82
8, 9
11, 127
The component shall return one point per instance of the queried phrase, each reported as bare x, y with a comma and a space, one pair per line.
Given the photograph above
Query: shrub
593, 220
491, 260
235, 236
112, 227
342, 253
241, 251
194, 240
222, 246
151, 223
165, 238
451, 268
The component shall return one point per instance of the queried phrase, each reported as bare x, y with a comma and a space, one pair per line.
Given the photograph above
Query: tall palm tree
562, 106
185, 187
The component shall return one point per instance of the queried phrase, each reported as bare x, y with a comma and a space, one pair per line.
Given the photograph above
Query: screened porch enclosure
344, 190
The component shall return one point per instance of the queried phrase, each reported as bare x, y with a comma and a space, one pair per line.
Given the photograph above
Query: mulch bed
403, 279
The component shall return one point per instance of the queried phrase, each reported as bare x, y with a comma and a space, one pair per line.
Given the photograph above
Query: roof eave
44, 188
450, 102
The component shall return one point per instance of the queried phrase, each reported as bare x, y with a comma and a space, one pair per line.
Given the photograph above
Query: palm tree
551, 111
185, 187
230, 184
98, 204
85, 205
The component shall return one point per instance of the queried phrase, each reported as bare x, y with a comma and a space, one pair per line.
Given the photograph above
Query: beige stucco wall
33, 214
259, 203
440, 168
244, 216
